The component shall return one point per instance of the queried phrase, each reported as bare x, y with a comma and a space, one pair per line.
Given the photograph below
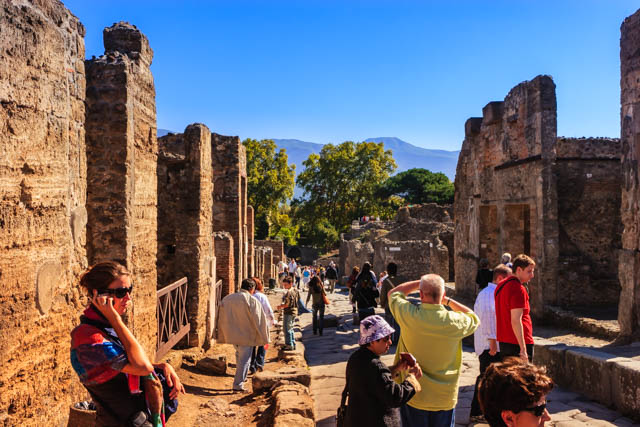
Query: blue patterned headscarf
373, 328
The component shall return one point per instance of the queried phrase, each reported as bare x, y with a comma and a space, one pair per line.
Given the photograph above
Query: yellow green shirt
433, 335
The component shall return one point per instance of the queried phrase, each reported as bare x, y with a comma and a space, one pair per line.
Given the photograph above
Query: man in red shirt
513, 322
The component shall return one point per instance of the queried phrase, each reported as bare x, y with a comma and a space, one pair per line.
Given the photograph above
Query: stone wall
230, 197
42, 214
225, 266
629, 259
589, 178
122, 152
505, 192
278, 249
185, 228
250, 243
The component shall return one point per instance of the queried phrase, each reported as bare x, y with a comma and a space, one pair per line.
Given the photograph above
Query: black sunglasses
537, 410
118, 293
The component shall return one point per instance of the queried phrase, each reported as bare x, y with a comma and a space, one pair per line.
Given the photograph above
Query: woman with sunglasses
513, 394
110, 362
374, 397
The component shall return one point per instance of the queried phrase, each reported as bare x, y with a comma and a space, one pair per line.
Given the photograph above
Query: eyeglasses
387, 338
537, 410
118, 293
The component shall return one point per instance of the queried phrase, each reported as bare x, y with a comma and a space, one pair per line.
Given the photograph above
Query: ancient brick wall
629, 261
277, 246
250, 237
230, 190
225, 266
42, 214
505, 192
268, 266
589, 178
185, 226
122, 152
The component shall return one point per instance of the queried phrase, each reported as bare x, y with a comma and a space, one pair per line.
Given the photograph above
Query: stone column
629, 260
122, 152
250, 235
225, 269
185, 228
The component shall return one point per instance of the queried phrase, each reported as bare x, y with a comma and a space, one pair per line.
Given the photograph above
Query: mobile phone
408, 357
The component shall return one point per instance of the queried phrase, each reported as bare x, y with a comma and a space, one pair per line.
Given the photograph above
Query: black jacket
374, 398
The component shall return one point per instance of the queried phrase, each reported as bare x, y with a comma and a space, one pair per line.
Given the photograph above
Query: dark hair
392, 269
365, 267
248, 284
500, 270
258, 282
483, 263
523, 261
287, 279
513, 385
316, 284
101, 275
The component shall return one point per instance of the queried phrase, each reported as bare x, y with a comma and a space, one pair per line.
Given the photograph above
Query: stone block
472, 126
216, 365
588, 371
293, 399
173, 358
551, 356
492, 113
292, 420
265, 380
625, 382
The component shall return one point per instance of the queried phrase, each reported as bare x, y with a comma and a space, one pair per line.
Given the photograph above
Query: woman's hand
104, 303
173, 380
416, 371
401, 365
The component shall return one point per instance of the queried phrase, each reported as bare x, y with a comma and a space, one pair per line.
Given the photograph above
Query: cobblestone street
327, 356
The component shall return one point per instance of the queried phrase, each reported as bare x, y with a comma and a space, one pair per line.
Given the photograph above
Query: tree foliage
419, 186
340, 184
270, 182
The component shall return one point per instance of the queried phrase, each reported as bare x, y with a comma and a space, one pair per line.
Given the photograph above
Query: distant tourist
306, 276
484, 274
351, 281
365, 292
332, 276
289, 306
243, 323
506, 259
513, 394
282, 270
385, 287
484, 339
513, 320
433, 335
259, 352
316, 291
109, 360
374, 397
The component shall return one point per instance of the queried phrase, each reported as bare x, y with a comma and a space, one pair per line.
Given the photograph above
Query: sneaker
260, 368
240, 390
477, 419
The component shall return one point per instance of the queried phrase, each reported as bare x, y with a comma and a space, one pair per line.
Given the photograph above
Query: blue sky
330, 71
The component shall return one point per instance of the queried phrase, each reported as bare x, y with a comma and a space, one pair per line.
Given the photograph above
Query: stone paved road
327, 357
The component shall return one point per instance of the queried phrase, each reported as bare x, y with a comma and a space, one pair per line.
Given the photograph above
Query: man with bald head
432, 332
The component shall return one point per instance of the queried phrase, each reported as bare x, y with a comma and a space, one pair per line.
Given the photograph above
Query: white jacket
242, 321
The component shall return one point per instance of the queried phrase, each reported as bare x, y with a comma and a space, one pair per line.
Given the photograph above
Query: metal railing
173, 322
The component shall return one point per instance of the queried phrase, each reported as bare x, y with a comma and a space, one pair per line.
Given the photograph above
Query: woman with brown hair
513, 394
109, 360
258, 354
316, 290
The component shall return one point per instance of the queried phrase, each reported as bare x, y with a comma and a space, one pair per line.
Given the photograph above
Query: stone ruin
418, 240
522, 189
84, 178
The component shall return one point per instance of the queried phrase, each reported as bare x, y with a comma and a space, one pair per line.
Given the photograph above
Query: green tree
339, 185
270, 182
418, 186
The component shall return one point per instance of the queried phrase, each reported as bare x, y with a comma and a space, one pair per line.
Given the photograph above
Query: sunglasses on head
537, 410
118, 293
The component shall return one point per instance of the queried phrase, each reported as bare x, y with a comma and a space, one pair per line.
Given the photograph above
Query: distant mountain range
407, 156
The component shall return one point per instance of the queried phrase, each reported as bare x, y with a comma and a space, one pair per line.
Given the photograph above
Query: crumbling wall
42, 214
629, 260
225, 266
278, 249
185, 227
589, 178
230, 195
122, 152
505, 192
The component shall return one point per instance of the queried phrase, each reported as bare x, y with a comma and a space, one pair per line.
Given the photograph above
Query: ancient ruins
84, 178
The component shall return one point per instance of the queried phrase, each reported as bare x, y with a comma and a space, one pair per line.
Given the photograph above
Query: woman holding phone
109, 360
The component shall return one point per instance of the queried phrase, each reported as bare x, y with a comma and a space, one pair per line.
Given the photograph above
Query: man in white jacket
243, 323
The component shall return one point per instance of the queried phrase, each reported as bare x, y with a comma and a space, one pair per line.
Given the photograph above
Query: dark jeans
420, 418
395, 337
318, 317
485, 360
257, 358
507, 350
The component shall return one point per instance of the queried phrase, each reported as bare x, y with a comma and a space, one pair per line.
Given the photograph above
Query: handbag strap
344, 394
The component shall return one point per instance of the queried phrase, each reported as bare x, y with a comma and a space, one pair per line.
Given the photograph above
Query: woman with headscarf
365, 292
374, 398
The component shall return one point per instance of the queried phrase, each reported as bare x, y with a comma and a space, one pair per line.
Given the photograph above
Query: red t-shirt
510, 294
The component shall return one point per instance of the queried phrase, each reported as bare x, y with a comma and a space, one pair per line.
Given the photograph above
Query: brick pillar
122, 152
185, 230
225, 270
250, 232
629, 260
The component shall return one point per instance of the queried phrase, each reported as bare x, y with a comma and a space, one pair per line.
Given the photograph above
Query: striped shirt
485, 308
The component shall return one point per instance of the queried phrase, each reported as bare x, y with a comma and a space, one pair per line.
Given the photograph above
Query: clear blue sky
329, 71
